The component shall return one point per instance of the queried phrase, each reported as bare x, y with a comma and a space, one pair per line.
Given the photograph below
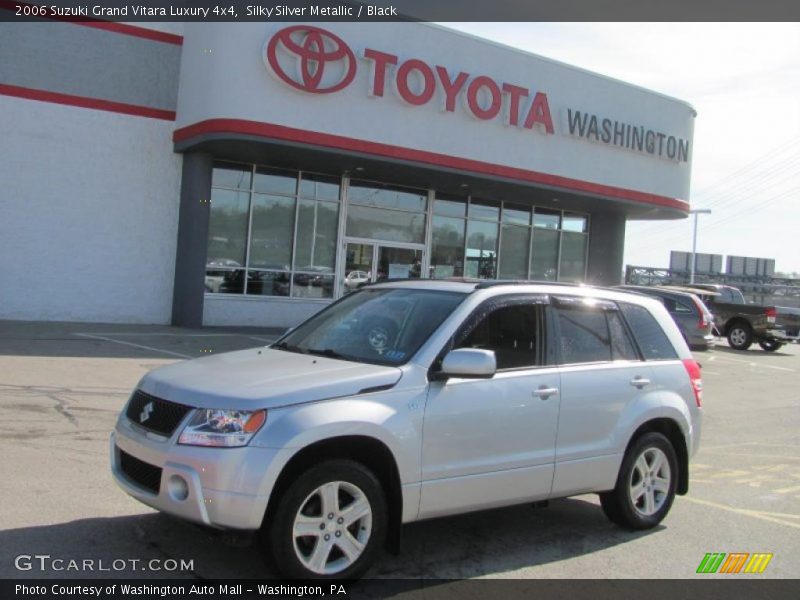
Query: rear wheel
646, 484
330, 523
740, 336
770, 345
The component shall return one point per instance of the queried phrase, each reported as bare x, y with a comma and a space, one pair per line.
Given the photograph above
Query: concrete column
190, 258
606, 247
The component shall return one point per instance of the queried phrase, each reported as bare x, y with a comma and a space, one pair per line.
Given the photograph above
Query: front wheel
770, 345
330, 523
740, 337
646, 484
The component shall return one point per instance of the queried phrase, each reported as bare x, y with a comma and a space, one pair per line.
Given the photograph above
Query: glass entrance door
358, 269
367, 262
398, 263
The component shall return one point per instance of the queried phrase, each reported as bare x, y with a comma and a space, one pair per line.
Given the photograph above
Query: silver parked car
689, 312
411, 400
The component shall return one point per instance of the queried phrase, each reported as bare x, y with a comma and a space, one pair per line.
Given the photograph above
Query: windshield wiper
289, 348
329, 353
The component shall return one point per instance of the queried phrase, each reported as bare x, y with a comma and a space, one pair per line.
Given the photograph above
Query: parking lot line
750, 363
142, 346
725, 452
764, 516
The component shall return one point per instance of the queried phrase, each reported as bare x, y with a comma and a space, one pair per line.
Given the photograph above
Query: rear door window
592, 333
652, 340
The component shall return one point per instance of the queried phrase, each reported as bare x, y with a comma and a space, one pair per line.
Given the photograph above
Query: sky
744, 81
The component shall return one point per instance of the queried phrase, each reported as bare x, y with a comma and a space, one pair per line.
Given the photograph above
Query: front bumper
225, 488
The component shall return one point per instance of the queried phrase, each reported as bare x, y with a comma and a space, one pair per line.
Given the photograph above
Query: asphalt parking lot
62, 386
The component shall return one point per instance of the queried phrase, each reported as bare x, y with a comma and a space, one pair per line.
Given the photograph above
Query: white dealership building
251, 173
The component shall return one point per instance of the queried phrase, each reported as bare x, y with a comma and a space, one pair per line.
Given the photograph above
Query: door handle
640, 382
543, 393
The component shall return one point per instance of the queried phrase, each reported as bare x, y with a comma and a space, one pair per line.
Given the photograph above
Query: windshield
382, 326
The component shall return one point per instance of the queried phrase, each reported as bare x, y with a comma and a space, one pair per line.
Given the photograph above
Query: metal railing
758, 290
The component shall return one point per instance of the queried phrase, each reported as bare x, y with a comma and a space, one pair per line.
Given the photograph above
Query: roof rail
488, 283
416, 279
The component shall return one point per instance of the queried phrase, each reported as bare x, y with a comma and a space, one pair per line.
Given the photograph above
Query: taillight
703, 322
693, 369
771, 313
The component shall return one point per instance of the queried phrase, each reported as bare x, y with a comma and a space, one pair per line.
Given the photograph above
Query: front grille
146, 475
155, 414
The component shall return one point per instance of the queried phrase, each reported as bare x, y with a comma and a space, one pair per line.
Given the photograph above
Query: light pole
695, 212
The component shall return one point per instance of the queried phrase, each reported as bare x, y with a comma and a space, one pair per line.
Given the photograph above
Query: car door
491, 442
602, 379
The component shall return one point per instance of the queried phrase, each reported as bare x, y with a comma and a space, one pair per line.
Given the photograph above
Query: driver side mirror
468, 363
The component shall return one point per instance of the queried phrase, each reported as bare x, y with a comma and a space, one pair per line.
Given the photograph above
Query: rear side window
676, 306
652, 340
622, 347
593, 335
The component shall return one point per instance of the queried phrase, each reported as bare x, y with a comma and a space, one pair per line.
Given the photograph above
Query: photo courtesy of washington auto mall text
178, 590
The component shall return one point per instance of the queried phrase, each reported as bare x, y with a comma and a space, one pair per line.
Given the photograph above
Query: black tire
740, 336
618, 505
279, 535
770, 345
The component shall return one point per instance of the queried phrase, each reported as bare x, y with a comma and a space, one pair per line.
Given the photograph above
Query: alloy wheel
332, 527
650, 481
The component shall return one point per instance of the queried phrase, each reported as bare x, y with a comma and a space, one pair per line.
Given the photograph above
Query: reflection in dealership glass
219, 272
226, 276
380, 326
313, 282
356, 279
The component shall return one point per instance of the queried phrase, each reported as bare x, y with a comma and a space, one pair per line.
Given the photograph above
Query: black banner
728, 588
402, 10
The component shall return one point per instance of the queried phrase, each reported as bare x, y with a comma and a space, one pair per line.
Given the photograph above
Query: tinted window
511, 331
648, 333
677, 307
622, 347
584, 335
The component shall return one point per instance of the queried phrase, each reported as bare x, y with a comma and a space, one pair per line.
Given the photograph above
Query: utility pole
695, 212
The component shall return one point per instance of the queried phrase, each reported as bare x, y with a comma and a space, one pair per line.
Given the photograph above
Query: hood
263, 378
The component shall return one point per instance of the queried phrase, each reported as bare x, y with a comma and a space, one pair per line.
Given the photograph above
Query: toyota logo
311, 59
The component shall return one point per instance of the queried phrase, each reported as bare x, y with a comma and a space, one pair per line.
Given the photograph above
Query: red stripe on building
121, 28
289, 134
84, 102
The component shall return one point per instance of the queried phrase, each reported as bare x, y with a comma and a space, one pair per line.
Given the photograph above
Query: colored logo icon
311, 59
734, 563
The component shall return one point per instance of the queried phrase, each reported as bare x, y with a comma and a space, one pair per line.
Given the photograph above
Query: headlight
225, 428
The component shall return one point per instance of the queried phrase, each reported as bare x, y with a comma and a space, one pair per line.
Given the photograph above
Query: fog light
178, 488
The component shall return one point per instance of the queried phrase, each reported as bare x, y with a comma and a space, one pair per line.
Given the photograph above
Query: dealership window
482, 239
386, 212
483, 218
447, 247
544, 245
272, 232
574, 243
515, 238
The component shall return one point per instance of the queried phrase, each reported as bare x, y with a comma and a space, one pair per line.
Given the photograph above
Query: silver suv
406, 401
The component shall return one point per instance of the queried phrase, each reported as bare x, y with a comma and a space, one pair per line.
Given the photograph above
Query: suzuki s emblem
310, 59
146, 412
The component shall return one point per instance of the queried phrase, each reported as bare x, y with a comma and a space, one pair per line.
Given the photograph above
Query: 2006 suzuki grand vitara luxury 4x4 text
411, 400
